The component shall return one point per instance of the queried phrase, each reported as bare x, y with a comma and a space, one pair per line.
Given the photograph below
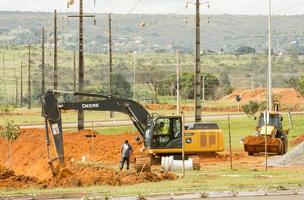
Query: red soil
253, 140
29, 159
297, 140
285, 95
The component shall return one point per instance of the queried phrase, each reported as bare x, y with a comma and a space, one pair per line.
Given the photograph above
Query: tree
121, 87
225, 83
253, 107
9, 131
187, 85
297, 84
153, 76
120, 84
245, 50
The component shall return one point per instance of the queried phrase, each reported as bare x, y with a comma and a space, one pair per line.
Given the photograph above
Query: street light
269, 57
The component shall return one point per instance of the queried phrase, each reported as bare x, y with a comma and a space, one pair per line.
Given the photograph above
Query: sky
235, 7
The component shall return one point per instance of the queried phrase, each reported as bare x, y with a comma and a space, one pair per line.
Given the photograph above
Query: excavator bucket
60, 171
256, 144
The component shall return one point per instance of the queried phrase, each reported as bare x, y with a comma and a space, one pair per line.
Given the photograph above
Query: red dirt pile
285, 95
88, 176
253, 140
297, 140
29, 159
8, 178
167, 107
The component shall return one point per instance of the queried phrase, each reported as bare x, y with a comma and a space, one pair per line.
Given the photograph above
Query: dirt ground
297, 140
287, 96
28, 164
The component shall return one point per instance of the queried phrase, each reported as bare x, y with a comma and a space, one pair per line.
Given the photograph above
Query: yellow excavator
197, 137
276, 136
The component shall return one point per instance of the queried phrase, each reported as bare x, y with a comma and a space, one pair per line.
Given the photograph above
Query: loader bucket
256, 144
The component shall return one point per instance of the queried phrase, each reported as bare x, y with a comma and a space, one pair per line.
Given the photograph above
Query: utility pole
43, 65
203, 87
177, 83
21, 85
81, 62
74, 71
16, 83
269, 59
29, 94
110, 59
55, 52
4, 75
197, 82
134, 78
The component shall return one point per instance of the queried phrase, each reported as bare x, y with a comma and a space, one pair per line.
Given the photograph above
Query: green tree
8, 131
253, 107
153, 76
245, 50
296, 83
225, 83
187, 85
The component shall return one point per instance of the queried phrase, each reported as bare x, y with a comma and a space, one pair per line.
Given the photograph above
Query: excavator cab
164, 132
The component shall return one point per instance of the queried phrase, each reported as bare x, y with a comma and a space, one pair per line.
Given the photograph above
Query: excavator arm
52, 113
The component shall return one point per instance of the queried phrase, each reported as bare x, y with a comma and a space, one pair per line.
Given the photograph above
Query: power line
134, 6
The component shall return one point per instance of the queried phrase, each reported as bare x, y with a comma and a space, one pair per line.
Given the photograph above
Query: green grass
205, 180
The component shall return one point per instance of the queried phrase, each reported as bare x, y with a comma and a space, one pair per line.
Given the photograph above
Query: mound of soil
29, 166
297, 140
10, 179
167, 107
285, 95
88, 176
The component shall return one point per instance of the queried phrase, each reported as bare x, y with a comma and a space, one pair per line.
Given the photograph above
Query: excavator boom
52, 113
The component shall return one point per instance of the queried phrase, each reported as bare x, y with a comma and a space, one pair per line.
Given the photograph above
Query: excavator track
143, 163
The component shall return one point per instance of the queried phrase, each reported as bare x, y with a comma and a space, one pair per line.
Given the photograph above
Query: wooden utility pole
74, 71
81, 65
177, 83
55, 52
134, 75
16, 83
21, 85
203, 88
43, 65
29, 93
197, 82
4, 76
110, 59
81, 62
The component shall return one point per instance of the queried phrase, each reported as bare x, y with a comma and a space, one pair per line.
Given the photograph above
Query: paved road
282, 197
127, 122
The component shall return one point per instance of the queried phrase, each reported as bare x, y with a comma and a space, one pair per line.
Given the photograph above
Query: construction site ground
94, 162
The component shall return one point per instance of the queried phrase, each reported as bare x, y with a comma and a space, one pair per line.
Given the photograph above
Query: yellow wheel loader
276, 137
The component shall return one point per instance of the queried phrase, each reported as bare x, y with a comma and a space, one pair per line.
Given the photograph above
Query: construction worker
164, 129
126, 152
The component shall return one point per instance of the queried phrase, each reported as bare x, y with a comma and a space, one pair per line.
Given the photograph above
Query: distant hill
155, 32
